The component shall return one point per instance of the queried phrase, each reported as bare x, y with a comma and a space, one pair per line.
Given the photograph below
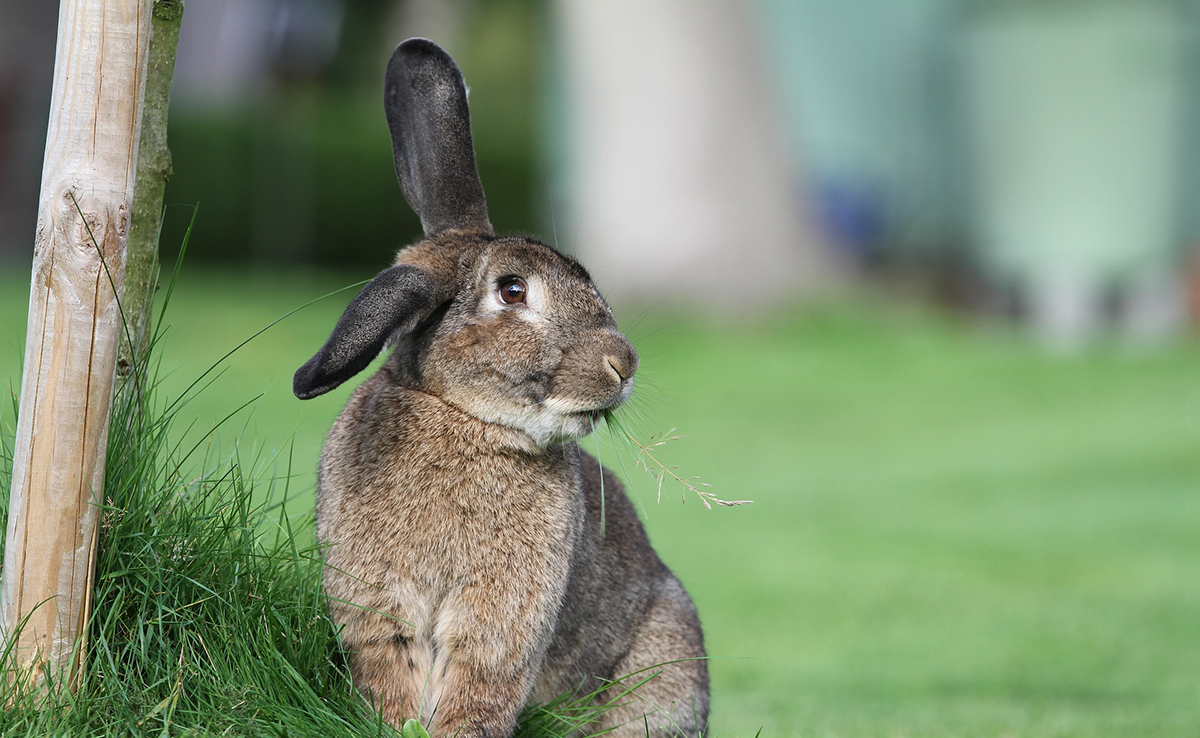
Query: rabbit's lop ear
426, 104
398, 299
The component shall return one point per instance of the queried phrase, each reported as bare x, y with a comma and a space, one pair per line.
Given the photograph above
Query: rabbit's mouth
594, 416
561, 417
592, 410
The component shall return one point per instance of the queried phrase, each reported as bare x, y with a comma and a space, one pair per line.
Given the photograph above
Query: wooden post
74, 327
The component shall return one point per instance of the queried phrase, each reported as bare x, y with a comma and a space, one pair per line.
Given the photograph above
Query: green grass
953, 533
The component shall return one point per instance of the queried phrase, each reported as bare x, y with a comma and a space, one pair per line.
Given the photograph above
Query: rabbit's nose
623, 363
618, 367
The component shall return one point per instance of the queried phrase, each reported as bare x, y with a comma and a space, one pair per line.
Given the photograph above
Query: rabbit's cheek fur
497, 381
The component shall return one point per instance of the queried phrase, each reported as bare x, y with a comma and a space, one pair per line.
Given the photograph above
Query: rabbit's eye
512, 291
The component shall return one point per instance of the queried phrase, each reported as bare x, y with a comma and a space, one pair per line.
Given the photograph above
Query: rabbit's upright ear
426, 104
398, 299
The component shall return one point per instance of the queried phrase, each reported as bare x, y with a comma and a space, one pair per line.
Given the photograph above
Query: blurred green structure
1076, 117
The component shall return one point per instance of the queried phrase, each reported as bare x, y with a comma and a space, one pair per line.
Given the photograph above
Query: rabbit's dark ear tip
418, 56
304, 383
417, 47
418, 44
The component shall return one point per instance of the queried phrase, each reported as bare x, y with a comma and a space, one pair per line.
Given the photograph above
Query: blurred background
920, 277
1026, 158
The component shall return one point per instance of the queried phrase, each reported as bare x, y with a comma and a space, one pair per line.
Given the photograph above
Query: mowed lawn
953, 533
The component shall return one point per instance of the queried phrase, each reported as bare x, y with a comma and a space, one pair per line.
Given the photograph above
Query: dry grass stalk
661, 471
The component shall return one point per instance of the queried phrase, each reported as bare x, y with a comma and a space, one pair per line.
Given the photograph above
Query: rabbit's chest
476, 532
454, 515
443, 537
447, 541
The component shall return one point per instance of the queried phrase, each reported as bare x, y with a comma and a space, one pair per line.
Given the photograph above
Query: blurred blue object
859, 86
851, 215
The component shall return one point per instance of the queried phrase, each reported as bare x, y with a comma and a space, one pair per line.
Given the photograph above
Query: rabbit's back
625, 619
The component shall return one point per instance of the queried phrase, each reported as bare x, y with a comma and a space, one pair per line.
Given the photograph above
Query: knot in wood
91, 225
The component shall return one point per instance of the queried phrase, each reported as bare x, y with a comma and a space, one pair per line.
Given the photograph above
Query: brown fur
466, 558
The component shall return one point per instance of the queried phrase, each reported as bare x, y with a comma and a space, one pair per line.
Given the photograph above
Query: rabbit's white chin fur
549, 429
547, 425
559, 419
554, 420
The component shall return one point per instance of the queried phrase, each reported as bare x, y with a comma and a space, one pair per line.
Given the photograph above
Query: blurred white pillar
679, 180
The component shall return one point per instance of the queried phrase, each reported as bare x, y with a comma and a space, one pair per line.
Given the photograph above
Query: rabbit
466, 559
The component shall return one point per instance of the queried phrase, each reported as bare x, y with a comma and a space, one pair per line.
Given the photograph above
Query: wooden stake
74, 327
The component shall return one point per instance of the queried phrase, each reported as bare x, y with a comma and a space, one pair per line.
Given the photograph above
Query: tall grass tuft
208, 618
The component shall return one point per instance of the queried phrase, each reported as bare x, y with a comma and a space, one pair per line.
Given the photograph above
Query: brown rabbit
466, 558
